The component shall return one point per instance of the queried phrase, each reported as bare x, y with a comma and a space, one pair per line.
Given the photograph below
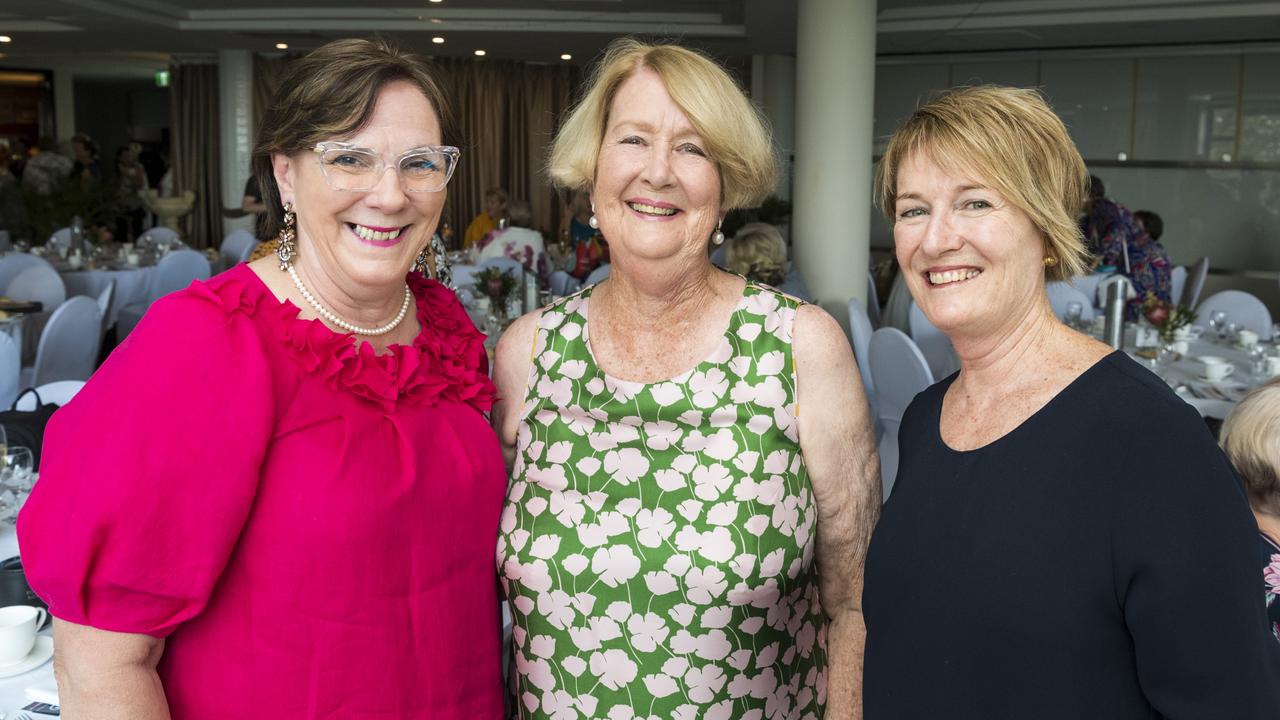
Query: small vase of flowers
1166, 317
498, 286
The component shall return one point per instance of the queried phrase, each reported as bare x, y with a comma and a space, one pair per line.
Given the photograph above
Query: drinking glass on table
18, 470
1217, 322
1229, 334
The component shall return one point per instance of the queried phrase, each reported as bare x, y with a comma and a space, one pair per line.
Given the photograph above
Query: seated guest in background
1151, 223
758, 252
47, 171
1064, 538
252, 203
13, 209
1118, 240
21, 153
495, 208
673, 522
519, 241
1251, 437
307, 524
575, 219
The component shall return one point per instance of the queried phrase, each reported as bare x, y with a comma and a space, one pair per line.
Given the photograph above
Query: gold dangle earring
286, 248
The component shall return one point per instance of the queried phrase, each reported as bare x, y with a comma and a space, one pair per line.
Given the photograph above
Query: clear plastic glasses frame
355, 169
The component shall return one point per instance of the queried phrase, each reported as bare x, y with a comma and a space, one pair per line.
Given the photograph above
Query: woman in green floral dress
679, 540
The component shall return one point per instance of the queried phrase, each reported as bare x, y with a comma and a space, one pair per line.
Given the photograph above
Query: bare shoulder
819, 340
515, 350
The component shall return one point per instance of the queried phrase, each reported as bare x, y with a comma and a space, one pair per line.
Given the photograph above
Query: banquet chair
68, 348
562, 283
1062, 294
1195, 283
1088, 285
506, 265
106, 303
897, 308
161, 236
1242, 308
873, 302
174, 272
40, 283
10, 370
860, 330
60, 238
899, 372
935, 346
794, 285
236, 247
58, 392
600, 274
1177, 283
11, 265
463, 275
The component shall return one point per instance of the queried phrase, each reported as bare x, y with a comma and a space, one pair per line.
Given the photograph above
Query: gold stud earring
1050, 261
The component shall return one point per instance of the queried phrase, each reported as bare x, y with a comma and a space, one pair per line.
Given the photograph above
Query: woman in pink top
299, 521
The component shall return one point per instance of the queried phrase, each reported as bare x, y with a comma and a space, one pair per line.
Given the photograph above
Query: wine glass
18, 470
1228, 334
1217, 322
1275, 335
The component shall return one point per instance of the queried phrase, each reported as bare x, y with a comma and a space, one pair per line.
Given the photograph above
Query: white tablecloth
1187, 371
132, 285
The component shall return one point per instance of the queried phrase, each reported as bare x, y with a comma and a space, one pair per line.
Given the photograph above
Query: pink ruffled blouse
312, 527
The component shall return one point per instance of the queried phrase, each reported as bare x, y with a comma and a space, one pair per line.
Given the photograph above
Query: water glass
1229, 332
17, 471
1258, 362
1217, 322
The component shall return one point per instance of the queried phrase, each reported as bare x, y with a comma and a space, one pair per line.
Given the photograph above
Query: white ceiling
124, 36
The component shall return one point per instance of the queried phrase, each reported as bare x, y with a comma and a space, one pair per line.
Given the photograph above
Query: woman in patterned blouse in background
1251, 438
679, 539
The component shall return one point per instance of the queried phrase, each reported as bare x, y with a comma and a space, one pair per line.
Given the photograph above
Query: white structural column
773, 90
235, 95
835, 92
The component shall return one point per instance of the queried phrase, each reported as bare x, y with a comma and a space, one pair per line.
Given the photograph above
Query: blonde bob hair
759, 253
1013, 142
1251, 438
736, 136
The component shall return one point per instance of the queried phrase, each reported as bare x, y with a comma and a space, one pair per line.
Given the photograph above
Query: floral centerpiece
1166, 317
497, 285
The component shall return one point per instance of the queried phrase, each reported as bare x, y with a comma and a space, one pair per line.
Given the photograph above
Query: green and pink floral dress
657, 547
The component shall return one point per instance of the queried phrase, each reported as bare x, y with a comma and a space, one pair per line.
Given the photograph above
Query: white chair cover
60, 238
860, 330
599, 274
463, 275
873, 302
1062, 294
69, 345
1177, 283
10, 369
236, 247
506, 265
161, 236
58, 392
1242, 308
562, 283
1088, 284
174, 272
11, 265
1195, 283
899, 372
106, 301
720, 255
897, 309
40, 283
935, 346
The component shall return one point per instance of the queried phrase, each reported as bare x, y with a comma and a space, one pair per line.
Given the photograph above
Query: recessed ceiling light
5, 38
282, 46
437, 21
480, 53
437, 40
435, 1
566, 56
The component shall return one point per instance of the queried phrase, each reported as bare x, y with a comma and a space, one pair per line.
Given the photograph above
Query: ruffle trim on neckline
446, 361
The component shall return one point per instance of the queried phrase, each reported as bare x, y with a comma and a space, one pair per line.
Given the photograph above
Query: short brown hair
1012, 140
736, 135
1251, 438
331, 93
758, 252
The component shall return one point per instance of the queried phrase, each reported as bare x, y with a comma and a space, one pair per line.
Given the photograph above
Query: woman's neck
1269, 525
358, 304
995, 361
649, 297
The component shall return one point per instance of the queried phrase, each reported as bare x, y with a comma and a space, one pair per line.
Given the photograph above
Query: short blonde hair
736, 135
758, 253
1251, 438
1012, 140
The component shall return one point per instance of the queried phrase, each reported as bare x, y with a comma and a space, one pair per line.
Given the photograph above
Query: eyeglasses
356, 169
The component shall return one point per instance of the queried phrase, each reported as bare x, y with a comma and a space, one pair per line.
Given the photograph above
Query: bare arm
511, 364
252, 204
107, 675
839, 447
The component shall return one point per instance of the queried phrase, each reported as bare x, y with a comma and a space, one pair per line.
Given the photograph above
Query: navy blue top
1098, 561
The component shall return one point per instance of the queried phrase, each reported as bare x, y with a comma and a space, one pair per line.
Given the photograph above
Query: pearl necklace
328, 314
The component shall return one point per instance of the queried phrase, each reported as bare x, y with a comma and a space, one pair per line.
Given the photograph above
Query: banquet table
1187, 371
13, 689
133, 283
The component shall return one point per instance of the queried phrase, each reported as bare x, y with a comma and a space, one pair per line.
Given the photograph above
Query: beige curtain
194, 148
507, 114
